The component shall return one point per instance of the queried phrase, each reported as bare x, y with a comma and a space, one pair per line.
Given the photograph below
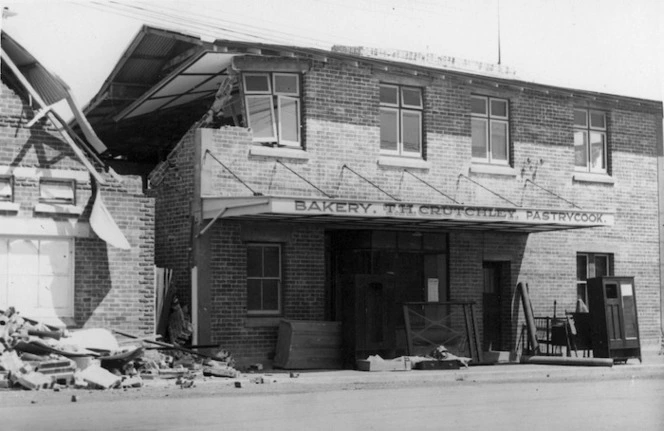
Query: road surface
629, 403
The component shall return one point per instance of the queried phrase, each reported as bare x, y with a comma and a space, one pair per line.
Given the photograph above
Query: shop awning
398, 214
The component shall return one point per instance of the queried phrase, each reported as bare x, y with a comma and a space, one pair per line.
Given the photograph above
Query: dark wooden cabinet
614, 320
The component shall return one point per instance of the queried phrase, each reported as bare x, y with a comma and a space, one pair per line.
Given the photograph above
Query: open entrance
494, 302
372, 274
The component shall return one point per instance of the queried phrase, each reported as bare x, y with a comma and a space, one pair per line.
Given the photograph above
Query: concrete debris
36, 356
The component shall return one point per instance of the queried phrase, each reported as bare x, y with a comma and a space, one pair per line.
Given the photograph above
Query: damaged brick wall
113, 288
172, 184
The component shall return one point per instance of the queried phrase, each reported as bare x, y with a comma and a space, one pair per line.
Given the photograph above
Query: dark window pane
255, 83
383, 261
254, 261
261, 120
581, 148
389, 95
498, 140
285, 84
499, 108
611, 291
580, 118
435, 241
289, 119
597, 119
384, 239
581, 267
478, 105
411, 131
601, 266
479, 138
254, 295
411, 97
410, 240
271, 262
271, 295
388, 129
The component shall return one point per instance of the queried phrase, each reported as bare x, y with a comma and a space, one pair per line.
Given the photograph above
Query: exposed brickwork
341, 119
173, 187
113, 288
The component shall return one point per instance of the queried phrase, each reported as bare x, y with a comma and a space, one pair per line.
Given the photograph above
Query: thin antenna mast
498, 16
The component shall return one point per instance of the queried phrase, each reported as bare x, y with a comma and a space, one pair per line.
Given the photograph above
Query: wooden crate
308, 344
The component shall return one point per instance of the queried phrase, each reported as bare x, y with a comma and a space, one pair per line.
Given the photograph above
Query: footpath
652, 366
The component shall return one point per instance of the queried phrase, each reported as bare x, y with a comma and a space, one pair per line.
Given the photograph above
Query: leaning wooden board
308, 344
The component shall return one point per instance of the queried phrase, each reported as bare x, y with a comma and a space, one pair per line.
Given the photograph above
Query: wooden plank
308, 345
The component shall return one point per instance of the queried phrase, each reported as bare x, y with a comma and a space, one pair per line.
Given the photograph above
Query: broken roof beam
60, 125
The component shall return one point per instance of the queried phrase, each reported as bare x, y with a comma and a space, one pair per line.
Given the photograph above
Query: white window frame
488, 119
296, 93
276, 99
284, 141
44, 182
273, 137
45, 315
279, 279
587, 129
400, 108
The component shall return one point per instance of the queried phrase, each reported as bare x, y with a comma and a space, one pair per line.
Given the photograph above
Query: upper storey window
590, 140
490, 130
6, 188
273, 107
401, 120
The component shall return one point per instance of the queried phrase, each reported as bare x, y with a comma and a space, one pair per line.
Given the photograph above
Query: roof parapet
428, 60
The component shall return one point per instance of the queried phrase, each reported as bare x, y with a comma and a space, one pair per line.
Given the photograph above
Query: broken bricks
36, 356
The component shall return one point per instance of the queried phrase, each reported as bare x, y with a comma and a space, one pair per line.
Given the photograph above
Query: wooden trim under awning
410, 215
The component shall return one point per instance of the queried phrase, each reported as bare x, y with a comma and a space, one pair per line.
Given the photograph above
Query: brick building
337, 185
54, 264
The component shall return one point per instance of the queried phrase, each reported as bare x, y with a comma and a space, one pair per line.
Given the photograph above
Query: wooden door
375, 322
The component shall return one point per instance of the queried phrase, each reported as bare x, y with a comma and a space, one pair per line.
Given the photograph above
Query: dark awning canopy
405, 215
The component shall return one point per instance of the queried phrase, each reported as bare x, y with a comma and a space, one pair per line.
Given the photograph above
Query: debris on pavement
377, 363
36, 356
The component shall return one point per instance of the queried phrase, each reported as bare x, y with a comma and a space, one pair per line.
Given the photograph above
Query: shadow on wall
49, 149
93, 282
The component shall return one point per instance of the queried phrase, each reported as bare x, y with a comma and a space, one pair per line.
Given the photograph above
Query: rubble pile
37, 356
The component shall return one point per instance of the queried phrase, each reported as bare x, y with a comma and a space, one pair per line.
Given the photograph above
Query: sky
608, 46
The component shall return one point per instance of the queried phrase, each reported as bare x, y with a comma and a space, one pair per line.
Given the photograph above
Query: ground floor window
36, 277
589, 265
263, 279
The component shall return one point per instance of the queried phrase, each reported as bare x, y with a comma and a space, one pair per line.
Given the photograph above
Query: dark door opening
496, 277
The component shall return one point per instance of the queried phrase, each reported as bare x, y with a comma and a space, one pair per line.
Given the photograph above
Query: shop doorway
496, 279
372, 274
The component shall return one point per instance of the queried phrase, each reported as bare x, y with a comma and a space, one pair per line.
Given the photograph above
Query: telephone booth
615, 326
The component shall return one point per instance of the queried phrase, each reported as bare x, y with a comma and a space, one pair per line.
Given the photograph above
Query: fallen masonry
36, 356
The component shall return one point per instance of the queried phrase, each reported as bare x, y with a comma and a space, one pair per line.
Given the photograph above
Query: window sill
403, 162
288, 153
59, 209
10, 206
262, 322
493, 169
587, 177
